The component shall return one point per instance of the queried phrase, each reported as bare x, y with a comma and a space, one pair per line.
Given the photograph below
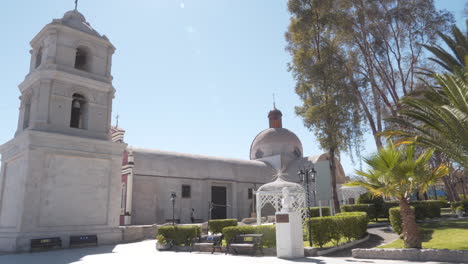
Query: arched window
77, 111
39, 58
81, 59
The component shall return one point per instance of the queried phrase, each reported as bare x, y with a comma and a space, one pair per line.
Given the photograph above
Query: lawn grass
441, 235
379, 220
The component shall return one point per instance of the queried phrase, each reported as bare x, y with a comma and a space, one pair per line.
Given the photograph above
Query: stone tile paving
145, 252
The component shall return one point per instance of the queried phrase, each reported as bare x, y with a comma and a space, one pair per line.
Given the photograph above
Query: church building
208, 187
67, 171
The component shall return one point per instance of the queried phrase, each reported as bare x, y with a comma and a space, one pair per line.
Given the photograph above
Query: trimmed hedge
350, 225
315, 211
370, 198
395, 219
426, 209
216, 226
464, 203
423, 209
268, 231
386, 207
180, 235
367, 208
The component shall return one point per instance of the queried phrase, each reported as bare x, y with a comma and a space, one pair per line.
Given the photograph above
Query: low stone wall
442, 255
135, 233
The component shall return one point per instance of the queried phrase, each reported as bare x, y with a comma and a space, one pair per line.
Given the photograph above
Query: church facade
67, 171
208, 187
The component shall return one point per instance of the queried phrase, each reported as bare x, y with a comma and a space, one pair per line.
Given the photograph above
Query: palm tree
458, 45
438, 119
397, 172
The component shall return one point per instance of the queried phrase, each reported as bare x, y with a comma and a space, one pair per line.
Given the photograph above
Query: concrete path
144, 252
378, 236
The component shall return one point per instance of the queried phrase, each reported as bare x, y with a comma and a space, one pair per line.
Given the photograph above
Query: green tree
328, 107
439, 118
398, 172
455, 58
385, 41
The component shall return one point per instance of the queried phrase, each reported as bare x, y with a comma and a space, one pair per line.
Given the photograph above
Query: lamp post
173, 197
306, 176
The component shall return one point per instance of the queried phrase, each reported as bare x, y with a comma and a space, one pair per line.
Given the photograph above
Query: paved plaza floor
145, 252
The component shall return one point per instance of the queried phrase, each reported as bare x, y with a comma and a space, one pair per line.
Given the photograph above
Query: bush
332, 228
180, 235
268, 231
370, 198
386, 207
315, 211
426, 209
216, 226
367, 208
463, 203
395, 219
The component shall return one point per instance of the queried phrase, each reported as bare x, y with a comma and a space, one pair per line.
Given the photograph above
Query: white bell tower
60, 174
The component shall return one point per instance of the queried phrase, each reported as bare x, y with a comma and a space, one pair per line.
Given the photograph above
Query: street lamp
306, 176
173, 197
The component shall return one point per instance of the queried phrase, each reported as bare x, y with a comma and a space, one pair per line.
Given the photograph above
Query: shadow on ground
59, 256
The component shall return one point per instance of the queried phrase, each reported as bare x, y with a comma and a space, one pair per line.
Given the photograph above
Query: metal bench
245, 242
83, 241
212, 241
41, 244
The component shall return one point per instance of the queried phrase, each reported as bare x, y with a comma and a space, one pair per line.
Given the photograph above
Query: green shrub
354, 224
370, 198
269, 234
426, 209
231, 231
463, 203
268, 231
387, 205
216, 226
315, 211
367, 208
180, 235
351, 225
395, 219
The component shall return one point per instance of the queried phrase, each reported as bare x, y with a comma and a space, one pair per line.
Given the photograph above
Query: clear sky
192, 76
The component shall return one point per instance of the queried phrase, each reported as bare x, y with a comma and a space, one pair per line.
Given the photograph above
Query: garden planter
459, 213
160, 246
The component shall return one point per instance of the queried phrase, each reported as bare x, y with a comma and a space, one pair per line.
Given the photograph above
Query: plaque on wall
282, 218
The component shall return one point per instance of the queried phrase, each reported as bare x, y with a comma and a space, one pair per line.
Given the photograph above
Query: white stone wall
158, 173
58, 185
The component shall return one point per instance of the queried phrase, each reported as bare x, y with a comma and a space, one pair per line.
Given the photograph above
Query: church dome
276, 141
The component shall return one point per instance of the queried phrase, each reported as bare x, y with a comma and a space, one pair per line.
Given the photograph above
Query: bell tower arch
68, 57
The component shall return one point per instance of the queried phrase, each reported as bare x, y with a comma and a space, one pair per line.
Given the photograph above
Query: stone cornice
54, 28
56, 74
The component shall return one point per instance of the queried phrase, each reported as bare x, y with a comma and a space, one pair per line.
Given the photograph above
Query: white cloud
182, 5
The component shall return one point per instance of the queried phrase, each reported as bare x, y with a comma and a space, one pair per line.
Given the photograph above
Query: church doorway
218, 200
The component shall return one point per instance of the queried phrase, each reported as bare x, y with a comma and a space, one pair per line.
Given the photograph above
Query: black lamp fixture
173, 198
306, 176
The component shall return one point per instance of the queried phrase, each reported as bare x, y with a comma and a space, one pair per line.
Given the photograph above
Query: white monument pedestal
289, 235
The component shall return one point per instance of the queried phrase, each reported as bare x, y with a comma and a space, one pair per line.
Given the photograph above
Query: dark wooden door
219, 199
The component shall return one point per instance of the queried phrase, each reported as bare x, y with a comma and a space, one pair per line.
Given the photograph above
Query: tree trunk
410, 232
336, 201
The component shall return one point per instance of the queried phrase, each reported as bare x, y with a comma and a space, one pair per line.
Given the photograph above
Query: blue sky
192, 76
